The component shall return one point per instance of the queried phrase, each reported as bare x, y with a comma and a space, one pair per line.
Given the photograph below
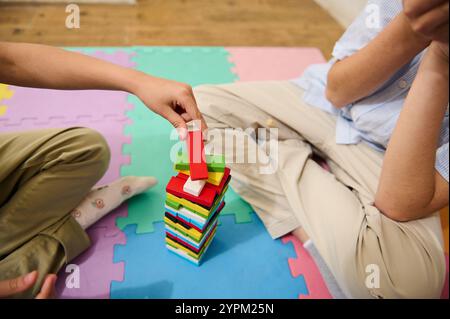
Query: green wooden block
215, 163
173, 204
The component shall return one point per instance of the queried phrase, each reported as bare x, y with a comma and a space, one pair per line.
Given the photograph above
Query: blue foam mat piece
242, 262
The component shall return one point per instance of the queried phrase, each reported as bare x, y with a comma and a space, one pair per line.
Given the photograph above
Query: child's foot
328, 277
102, 200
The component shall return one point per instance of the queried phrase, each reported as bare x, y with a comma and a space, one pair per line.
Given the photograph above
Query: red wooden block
206, 198
196, 153
219, 188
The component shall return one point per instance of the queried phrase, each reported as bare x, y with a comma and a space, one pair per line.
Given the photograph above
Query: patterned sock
328, 277
102, 200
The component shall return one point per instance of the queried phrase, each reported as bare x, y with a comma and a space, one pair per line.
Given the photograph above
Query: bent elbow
335, 91
392, 212
334, 98
401, 212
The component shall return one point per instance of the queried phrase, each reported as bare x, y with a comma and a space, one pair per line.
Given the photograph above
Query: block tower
195, 198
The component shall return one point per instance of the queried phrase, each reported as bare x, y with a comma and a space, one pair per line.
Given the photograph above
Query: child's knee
95, 149
401, 266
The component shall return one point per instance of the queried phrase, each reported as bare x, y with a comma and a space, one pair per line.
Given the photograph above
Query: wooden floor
175, 22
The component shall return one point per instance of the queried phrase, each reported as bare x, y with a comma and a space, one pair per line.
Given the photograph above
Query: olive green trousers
44, 175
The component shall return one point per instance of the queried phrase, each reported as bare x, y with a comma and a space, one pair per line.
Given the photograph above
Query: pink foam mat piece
272, 64
304, 266
103, 111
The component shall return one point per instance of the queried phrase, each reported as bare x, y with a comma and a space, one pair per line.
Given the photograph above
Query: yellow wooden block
185, 203
213, 177
189, 252
193, 233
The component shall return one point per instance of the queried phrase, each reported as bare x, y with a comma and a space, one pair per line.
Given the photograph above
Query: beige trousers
370, 255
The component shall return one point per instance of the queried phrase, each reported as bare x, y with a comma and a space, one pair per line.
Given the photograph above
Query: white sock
328, 277
102, 200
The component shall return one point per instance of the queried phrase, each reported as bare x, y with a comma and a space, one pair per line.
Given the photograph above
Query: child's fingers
190, 105
186, 117
429, 22
13, 286
48, 288
416, 8
442, 35
176, 120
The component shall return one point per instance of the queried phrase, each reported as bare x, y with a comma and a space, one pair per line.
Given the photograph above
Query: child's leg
264, 192
336, 210
102, 200
43, 176
252, 105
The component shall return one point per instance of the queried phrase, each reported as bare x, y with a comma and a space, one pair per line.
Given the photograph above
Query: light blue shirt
371, 120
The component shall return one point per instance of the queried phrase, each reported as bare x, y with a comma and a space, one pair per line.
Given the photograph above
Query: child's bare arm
410, 187
364, 72
40, 66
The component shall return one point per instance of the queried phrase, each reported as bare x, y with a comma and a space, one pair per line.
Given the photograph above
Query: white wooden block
194, 187
188, 214
192, 216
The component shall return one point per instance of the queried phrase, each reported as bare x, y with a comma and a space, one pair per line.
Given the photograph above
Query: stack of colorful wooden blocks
195, 198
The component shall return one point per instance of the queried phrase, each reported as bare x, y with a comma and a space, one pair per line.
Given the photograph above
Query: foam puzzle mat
128, 258
242, 262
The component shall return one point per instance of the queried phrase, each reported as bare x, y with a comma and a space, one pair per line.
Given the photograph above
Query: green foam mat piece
235, 205
151, 145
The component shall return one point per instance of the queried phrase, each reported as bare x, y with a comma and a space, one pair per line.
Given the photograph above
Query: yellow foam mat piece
189, 252
5, 92
214, 178
3, 109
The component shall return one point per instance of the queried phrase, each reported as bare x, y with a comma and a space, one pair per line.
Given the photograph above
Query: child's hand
9, 288
172, 100
429, 18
